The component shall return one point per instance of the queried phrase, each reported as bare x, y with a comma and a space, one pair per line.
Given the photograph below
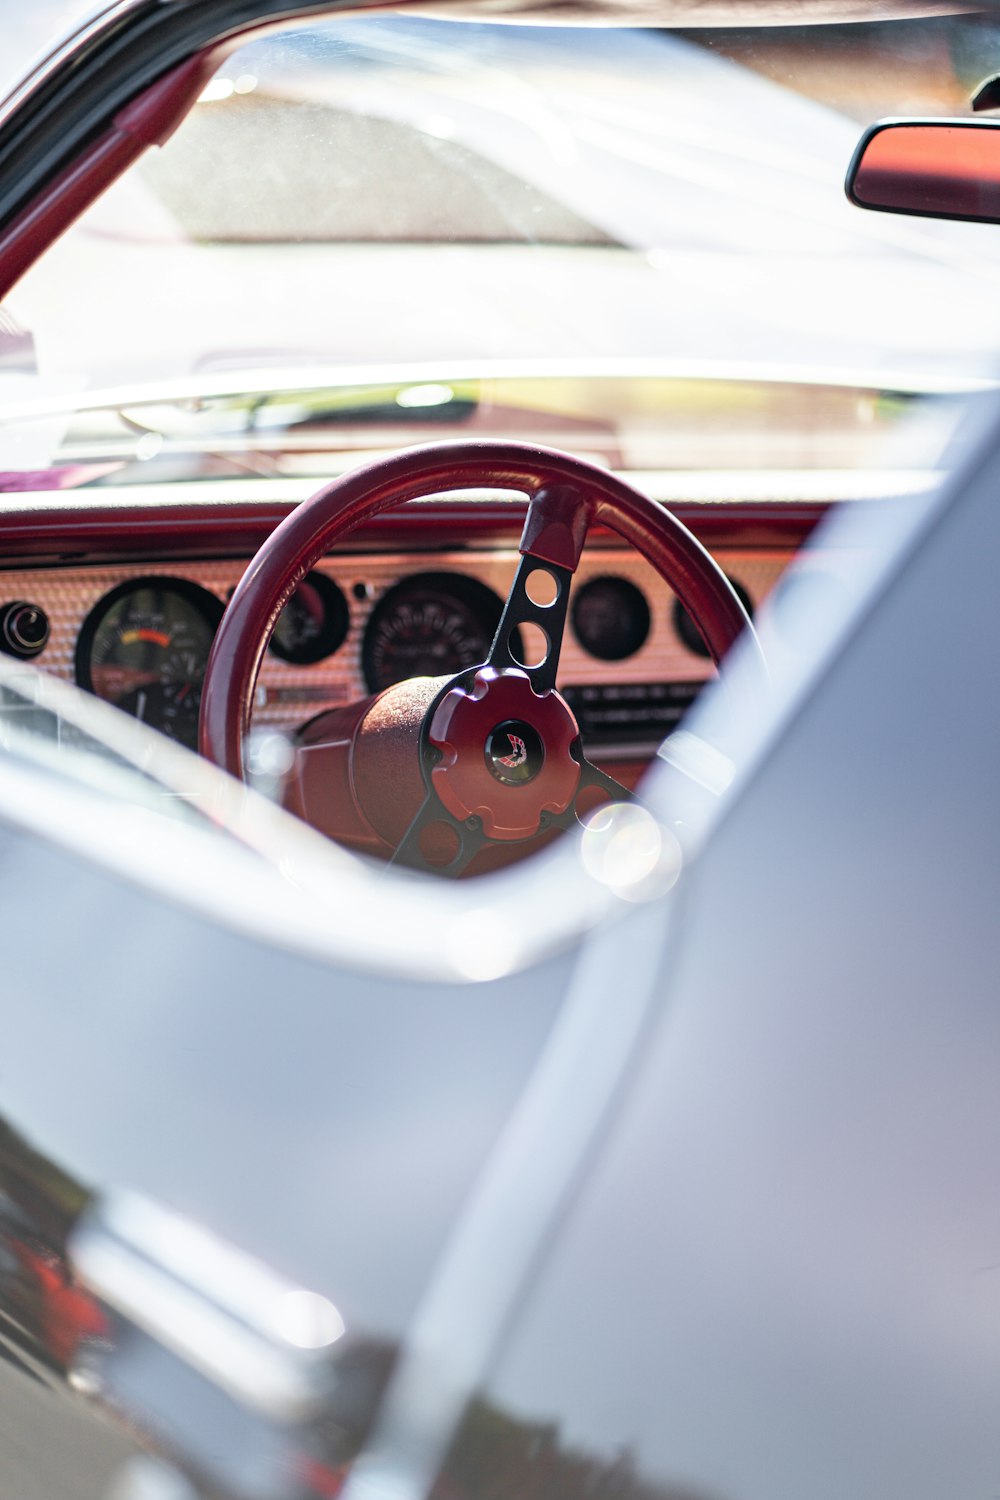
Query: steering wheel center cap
514, 752
504, 752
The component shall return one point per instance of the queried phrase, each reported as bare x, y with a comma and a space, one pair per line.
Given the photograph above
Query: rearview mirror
939, 169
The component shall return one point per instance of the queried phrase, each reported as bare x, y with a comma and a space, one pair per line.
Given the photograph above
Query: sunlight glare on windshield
415, 209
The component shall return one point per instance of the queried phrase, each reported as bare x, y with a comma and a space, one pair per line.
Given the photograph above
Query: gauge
610, 618
313, 624
430, 625
688, 630
144, 648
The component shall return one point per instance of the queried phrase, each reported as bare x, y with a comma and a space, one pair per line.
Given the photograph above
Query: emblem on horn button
514, 752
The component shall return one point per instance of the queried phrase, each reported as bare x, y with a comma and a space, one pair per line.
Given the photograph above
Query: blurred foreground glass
937, 169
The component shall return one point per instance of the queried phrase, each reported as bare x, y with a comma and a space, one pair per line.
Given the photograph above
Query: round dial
24, 629
610, 618
313, 624
431, 625
144, 647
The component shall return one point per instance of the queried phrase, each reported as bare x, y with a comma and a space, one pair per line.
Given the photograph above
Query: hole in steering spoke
542, 587
589, 799
533, 648
440, 845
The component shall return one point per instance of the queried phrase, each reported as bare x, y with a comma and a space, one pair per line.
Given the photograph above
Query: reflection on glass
39, 1297
498, 1456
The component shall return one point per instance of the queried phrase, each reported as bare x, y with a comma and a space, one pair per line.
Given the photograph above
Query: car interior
497, 817
138, 502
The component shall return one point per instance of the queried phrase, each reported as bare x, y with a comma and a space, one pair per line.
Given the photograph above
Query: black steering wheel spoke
593, 778
596, 789
538, 597
438, 842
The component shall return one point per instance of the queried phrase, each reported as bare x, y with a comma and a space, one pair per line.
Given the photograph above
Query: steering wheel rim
566, 495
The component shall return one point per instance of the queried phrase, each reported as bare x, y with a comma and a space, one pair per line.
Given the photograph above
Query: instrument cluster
139, 636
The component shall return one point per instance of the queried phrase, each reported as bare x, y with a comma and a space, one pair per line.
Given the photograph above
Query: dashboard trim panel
290, 694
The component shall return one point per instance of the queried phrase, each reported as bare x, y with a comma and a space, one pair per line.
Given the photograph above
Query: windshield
631, 242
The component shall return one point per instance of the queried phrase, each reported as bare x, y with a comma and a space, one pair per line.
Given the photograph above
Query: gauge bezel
472, 593
641, 616
210, 607
333, 633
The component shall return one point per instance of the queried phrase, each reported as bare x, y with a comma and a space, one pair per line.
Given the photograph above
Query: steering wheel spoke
595, 789
539, 597
593, 779
438, 842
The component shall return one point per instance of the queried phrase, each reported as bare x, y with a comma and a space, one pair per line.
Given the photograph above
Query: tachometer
144, 647
427, 626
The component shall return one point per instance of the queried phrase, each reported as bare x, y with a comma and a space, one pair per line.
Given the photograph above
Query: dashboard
138, 633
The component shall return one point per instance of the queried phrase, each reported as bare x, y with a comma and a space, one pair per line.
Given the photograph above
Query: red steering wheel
492, 754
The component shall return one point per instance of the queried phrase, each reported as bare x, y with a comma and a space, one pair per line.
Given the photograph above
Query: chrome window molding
48, 61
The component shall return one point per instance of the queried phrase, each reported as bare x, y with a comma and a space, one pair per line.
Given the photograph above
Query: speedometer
144, 648
429, 625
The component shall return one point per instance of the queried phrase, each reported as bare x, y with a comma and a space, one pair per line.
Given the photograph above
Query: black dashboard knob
24, 628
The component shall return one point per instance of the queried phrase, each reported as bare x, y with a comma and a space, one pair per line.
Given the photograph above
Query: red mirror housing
939, 169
